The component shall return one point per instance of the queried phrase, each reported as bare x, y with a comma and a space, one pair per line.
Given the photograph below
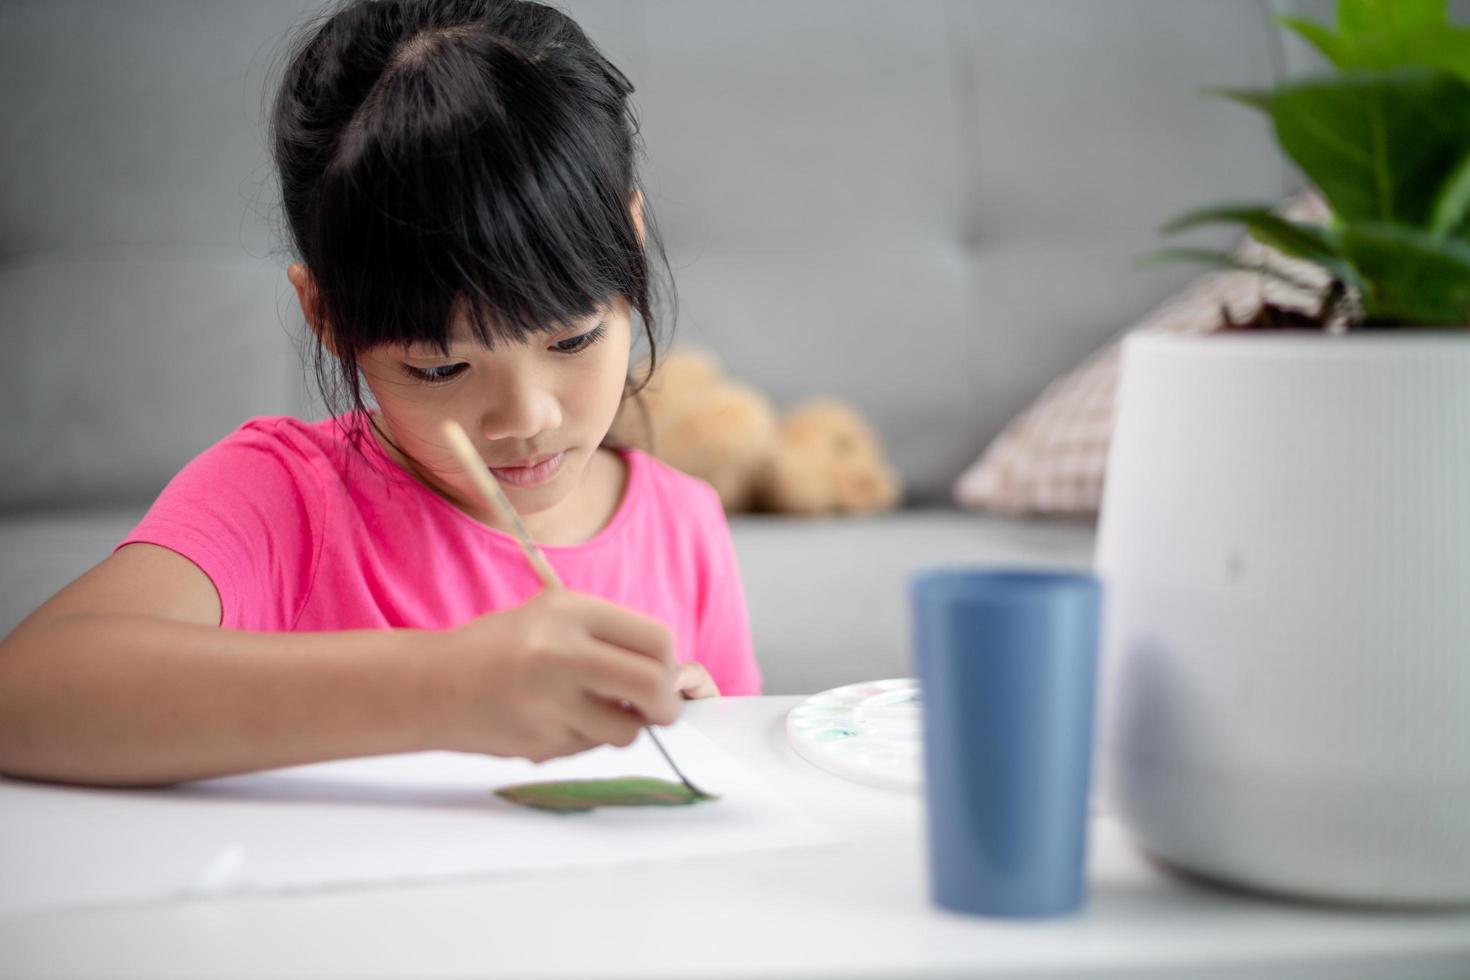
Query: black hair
447, 156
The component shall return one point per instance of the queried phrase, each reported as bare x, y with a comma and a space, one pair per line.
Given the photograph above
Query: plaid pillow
1051, 458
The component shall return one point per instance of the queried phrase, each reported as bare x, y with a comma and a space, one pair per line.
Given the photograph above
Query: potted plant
1285, 531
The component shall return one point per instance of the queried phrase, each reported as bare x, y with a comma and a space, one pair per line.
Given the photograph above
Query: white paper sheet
375, 820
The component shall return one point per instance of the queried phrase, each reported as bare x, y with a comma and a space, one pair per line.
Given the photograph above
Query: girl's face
536, 412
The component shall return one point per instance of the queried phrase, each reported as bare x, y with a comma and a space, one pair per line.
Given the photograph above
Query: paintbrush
489, 488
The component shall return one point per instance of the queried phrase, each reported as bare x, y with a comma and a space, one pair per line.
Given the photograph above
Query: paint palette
868, 732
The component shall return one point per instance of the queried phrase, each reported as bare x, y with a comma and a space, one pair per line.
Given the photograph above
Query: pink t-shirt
298, 532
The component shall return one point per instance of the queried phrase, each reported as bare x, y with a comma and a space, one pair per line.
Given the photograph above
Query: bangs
476, 179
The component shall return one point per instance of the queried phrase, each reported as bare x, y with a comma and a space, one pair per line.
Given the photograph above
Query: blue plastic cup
1007, 665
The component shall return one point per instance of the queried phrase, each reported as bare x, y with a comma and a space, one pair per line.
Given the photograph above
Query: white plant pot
1285, 545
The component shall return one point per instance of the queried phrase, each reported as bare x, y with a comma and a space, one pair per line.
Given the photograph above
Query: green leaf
1452, 206
1446, 48
1219, 260
1318, 35
1377, 144
577, 795
1256, 98
1389, 34
1359, 17
1410, 276
1305, 241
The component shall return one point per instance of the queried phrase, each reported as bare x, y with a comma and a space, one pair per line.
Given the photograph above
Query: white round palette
868, 732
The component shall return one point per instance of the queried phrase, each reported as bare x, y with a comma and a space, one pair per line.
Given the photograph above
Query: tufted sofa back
930, 208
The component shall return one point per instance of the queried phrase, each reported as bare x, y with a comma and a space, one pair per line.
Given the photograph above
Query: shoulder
282, 443
679, 495
285, 434
251, 512
265, 459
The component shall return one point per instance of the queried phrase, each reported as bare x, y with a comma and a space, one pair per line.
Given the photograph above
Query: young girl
458, 179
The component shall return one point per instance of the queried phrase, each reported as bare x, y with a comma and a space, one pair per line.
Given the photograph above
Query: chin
535, 500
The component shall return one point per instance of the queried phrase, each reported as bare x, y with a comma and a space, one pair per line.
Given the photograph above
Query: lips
531, 473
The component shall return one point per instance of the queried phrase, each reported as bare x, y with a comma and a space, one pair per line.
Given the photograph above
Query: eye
435, 375
579, 343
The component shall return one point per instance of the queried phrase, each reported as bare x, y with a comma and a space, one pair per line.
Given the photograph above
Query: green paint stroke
580, 795
834, 733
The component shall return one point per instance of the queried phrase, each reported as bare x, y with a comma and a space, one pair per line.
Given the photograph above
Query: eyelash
582, 341
448, 372
432, 375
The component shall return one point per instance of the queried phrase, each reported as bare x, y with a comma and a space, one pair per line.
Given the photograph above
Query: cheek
400, 396
605, 390
400, 407
387, 386
408, 413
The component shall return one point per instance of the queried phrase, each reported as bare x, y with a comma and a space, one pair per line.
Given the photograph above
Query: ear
635, 206
306, 295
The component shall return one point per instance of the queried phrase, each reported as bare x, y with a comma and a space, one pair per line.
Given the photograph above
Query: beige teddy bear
827, 460
698, 421
821, 458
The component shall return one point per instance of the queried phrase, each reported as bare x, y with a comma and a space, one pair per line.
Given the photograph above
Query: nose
519, 408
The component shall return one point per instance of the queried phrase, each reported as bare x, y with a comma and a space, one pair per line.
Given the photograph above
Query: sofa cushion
41, 552
828, 599
125, 366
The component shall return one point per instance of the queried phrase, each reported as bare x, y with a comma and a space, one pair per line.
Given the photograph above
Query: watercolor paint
869, 732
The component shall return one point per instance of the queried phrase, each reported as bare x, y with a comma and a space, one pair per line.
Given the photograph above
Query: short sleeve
249, 512
723, 642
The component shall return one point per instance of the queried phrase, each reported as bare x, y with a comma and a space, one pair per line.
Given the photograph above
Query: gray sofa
929, 208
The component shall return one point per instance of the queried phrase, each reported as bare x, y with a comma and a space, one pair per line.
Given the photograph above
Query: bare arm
124, 678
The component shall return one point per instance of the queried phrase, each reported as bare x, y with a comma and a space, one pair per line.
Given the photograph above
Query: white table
857, 910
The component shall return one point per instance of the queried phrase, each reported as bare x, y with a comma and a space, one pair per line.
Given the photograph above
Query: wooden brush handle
479, 475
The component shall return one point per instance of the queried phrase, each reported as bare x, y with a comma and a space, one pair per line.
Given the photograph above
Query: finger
695, 682
611, 673
604, 723
572, 743
704, 689
632, 631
